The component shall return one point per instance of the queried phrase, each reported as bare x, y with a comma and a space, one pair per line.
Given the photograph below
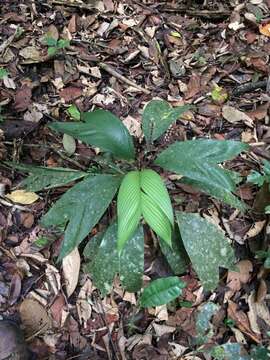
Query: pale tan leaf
234, 115
71, 269
34, 317
22, 197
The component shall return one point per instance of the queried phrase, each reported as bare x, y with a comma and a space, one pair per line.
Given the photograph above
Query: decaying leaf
22, 197
71, 269
235, 279
34, 317
234, 115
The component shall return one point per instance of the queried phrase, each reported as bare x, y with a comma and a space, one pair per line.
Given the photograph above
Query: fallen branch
242, 89
75, 4
122, 78
207, 14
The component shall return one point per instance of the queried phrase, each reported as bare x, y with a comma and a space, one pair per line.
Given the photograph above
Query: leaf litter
120, 56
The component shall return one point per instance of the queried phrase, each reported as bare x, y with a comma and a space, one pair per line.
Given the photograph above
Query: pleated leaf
156, 218
153, 186
102, 129
128, 207
162, 291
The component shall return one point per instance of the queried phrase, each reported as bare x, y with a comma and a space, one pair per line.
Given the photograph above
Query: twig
71, 161
75, 4
120, 77
207, 14
242, 89
7, 43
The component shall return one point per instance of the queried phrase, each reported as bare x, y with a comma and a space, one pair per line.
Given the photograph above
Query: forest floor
118, 55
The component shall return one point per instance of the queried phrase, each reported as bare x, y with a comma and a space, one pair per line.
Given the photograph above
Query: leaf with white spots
71, 270
198, 161
204, 328
158, 115
46, 178
80, 208
103, 267
206, 246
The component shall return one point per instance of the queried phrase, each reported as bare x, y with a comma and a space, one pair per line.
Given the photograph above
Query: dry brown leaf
163, 329
257, 310
34, 317
84, 309
57, 308
23, 98
22, 197
234, 115
235, 280
265, 29
71, 269
194, 86
241, 321
70, 93
255, 229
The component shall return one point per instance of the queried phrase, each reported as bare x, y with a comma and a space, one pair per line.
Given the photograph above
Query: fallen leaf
235, 280
52, 32
22, 197
257, 311
23, 98
72, 25
194, 86
234, 115
70, 93
265, 29
31, 54
12, 343
133, 126
163, 329
255, 229
33, 115
241, 321
71, 269
34, 317
57, 308
69, 144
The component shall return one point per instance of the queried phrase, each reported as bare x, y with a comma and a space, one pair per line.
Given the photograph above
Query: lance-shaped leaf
161, 291
156, 218
104, 261
143, 193
46, 178
198, 161
153, 186
128, 207
204, 328
102, 129
158, 115
206, 246
80, 208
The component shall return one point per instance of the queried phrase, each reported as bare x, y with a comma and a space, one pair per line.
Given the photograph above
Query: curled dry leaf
265, 29
34, 317
241, 321
257, 311
235, 280
84, 308
22, 197
71, 269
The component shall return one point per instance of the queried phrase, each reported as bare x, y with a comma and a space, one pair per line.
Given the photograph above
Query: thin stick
242, 89
120, 77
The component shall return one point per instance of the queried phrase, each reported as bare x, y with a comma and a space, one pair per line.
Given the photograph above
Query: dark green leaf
207, 248
105, 262
132, 262
162, 291
198, 161
102, 129
80, 208
175, 255
128, 207
158, 115
218, 192
260, 353
45, 178
52, 50
3, 73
